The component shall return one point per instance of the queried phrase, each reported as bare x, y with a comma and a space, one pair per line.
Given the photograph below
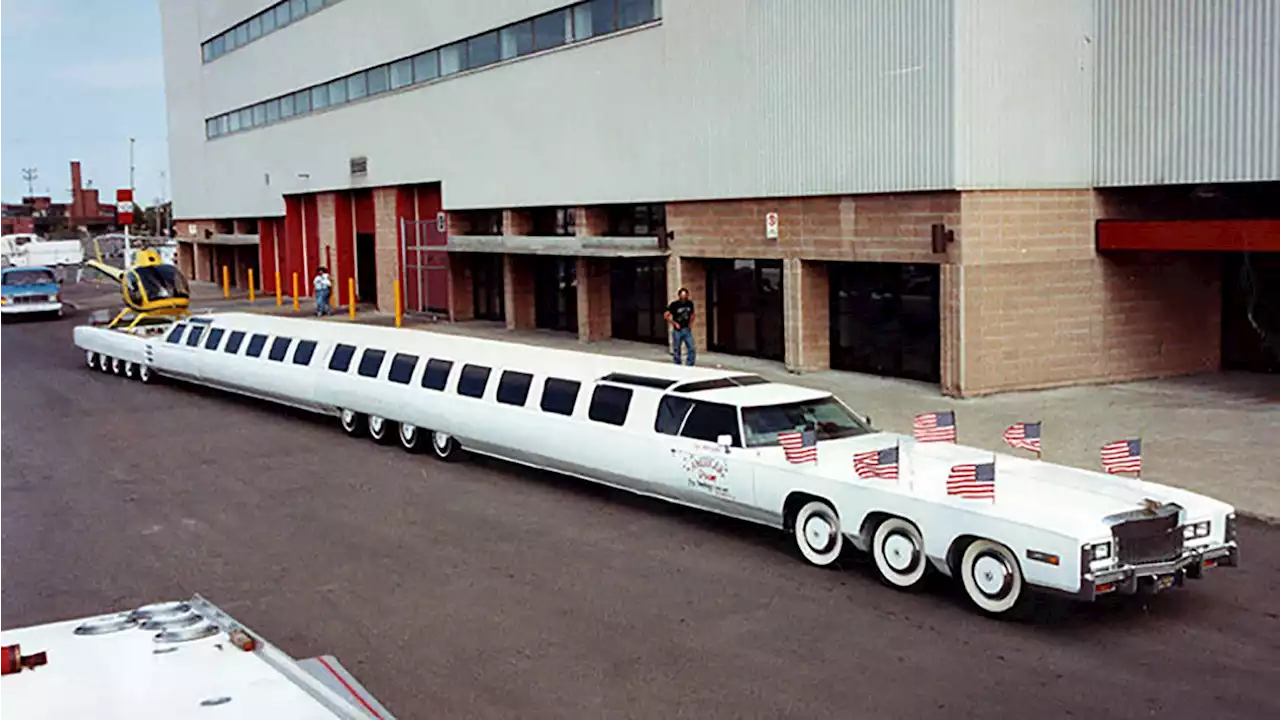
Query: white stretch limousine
709, 439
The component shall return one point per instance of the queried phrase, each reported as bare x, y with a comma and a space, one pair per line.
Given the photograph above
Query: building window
634, 12
744, 307
473, 380
341, 358
338, 92
357, 86
378, 80
517, 40
559, 396
482, 50
554, 221
513, 387
453, 58
886, 319
638, 299
551, 30
609, 404
320, 97
259, 115
371, 362
279, 349
426, 66
234, 340
273, 111
636, 220
402, 366
282, 14
487, 296
286, 106
401, 73
436, 376
304, 352
255, 28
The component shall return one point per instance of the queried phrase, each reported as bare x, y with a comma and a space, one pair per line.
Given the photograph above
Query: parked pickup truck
28, 249
30, 291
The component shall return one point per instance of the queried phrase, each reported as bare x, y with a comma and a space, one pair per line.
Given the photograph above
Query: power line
30, 174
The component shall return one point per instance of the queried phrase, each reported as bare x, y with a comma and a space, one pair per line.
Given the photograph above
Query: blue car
30, 291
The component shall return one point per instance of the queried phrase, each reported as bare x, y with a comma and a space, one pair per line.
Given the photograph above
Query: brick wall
517, 288
386, 250
457, 224
885, 228
461, 284
595, 303
517, 222
328, 230
806, 312
1040, 308
590, 222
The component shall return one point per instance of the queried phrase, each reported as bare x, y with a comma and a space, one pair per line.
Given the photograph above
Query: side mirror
725, 441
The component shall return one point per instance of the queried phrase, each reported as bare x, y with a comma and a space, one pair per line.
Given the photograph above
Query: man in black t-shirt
679, 316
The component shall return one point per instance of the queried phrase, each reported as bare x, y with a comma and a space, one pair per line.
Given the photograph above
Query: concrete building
986, 194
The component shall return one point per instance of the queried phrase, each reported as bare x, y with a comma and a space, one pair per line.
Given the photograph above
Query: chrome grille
24, 299
1154, 538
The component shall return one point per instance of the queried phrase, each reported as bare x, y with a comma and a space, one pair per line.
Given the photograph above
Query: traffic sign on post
771, 226
124, 207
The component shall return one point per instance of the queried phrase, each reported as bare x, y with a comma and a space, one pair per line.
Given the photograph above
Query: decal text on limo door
706, 473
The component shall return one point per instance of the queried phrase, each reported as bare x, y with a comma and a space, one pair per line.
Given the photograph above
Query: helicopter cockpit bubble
149, 285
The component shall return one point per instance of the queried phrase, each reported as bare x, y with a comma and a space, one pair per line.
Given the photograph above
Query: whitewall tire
128, 369
445, 447
992, 578
818, 534
353, 423
379, 429
91, 359
411, 437
144, 374
898, 549
104, 363
117, 366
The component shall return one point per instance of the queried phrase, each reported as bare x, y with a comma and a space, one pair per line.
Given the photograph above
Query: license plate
1164, 582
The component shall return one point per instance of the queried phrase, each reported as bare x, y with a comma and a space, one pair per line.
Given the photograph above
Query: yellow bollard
295, 292
395, 284
226, 283
351, 297
252, 294
279, 291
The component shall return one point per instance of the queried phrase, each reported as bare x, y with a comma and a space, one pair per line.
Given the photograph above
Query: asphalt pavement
484, 590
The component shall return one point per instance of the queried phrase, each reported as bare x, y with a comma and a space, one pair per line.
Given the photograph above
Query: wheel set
988, 572
412, 439
115, 366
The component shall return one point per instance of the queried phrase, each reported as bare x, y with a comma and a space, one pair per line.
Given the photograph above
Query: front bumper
20, 308
1127, 580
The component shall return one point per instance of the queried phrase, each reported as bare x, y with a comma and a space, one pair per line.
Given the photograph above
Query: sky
78, 78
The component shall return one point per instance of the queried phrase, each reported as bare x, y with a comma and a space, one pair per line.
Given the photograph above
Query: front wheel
144, 373
898, 549
992, 578
818, 534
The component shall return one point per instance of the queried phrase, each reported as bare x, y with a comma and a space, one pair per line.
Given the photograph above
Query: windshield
162, 282
28, 277
831, 419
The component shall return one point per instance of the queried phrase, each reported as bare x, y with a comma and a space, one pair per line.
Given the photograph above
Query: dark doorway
744, 307
1251, 312
555, 293
638, 299
366, 269
487, 286
885, 319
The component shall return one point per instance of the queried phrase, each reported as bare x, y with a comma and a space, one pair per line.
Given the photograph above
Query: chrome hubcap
992, 576
819, 532
900, 552
442, 441
408, 433
375, 424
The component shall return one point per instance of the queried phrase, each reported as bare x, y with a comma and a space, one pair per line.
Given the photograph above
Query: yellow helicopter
152, 289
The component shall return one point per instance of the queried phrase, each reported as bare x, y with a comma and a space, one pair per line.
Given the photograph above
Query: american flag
1024, 436
800, 446
973, 482
877, 464
1122, 456
935, 427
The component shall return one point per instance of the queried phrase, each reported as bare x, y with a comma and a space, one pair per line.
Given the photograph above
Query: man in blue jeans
679, 316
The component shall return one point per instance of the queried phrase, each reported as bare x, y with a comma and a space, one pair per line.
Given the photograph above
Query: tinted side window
513, 388
437, 374
402, 366
215, 337
302, 355
234, 341
708, 421
473, 380
559, 396
279, 348
341, 359
256, 343
671, 412
371, 362
176, 333
193, 337
609, 404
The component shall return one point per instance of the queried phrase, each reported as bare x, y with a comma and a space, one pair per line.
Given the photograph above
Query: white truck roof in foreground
137, 669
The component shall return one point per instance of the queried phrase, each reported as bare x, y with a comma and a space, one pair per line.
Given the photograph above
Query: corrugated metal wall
768, 97
1187, 91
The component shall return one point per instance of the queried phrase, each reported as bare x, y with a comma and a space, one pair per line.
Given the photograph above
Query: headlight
1196, 530
53, 298
1101, 551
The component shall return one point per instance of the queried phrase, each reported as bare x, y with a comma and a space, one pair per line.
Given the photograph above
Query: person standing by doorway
323, 286
679, 316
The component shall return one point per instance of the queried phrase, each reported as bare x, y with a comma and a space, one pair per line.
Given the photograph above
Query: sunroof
720, 383
641, 380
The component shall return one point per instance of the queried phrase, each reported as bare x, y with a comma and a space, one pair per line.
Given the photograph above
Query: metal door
426, 266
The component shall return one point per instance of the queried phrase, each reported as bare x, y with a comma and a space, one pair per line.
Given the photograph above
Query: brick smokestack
77, 195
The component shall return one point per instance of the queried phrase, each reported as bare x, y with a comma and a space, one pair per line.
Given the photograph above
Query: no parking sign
771, 226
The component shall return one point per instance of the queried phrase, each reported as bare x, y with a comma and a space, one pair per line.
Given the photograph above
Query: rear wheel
144, 374
445, 447
104, 363
353, 423
898, 549
818, 534
128, 370
411, 438
117, 366
379, 429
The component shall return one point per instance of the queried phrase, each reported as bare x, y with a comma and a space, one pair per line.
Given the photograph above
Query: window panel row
264, 23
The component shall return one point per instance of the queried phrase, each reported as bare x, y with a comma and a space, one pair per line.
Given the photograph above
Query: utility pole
131, 163
30, 174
